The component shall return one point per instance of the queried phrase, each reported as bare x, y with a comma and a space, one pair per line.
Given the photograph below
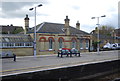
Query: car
113, 46
107, 46
117, 45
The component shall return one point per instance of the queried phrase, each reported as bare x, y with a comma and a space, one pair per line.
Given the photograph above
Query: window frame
60, 43
74, 43
87, 44
50, 44
81, 44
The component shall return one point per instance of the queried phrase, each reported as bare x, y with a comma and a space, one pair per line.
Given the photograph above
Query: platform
29, 64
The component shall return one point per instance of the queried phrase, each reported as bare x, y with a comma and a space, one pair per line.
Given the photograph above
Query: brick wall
20, 51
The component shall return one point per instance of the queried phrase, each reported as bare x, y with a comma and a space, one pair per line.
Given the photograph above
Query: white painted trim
40, 26
81, 48
50, 49
13, 46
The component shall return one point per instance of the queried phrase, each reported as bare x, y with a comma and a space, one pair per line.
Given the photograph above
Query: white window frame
50, 44
74, 43
60, 43
87, 44
81, 44
17, 44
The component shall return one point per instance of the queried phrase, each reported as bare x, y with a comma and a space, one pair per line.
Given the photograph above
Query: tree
16, 31
106, 30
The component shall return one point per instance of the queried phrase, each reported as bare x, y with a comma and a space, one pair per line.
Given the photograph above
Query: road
44, 62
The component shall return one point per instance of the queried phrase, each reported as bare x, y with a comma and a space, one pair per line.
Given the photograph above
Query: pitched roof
15, 38
48, 27
10, 29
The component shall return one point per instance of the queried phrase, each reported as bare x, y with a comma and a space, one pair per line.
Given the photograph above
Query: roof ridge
79, 30
50, 27
40, 26
9, 26
54, 23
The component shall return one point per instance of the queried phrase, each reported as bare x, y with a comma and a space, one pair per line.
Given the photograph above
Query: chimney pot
78, 25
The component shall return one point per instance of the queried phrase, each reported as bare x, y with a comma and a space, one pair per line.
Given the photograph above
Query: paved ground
44, 62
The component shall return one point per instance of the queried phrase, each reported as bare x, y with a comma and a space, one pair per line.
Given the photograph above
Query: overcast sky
55, 11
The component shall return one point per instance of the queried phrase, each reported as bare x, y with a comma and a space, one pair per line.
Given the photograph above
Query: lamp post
98, 37
35, 29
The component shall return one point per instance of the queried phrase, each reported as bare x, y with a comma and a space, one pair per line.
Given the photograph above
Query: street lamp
98, 31
35, 29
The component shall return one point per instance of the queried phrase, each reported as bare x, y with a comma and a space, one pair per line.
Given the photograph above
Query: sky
55, 11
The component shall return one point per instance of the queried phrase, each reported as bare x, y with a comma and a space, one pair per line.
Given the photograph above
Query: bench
7, 54
63, 52
74, 52
68, 52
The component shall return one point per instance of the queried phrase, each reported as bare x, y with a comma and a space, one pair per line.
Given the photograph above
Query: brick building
53, 36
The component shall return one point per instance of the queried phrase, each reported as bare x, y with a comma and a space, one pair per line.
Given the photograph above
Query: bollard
14, 56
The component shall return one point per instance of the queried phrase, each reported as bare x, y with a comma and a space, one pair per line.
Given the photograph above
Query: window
87, 44
0, 44
19, 44
7, 39
73, 43
22, 44
60, 43
0, 39
10, 39
14, 42
28, 44
3, 39
50, 43
11, 44
42, 41
81, 44
4, 44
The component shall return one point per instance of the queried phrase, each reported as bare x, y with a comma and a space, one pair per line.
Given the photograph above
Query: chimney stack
26, 19
67, 29
67, 22
78, 25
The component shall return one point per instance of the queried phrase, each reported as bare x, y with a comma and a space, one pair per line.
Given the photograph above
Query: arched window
50, 43
42, 39
87, 44
73, 43
60, 43
81, 44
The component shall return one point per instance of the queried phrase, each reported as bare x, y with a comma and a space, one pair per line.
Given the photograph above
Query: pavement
25, 64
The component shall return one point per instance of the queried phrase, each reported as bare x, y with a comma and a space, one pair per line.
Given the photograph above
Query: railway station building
51, 37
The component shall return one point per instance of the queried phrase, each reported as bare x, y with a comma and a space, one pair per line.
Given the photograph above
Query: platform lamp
98, 47
35, 28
